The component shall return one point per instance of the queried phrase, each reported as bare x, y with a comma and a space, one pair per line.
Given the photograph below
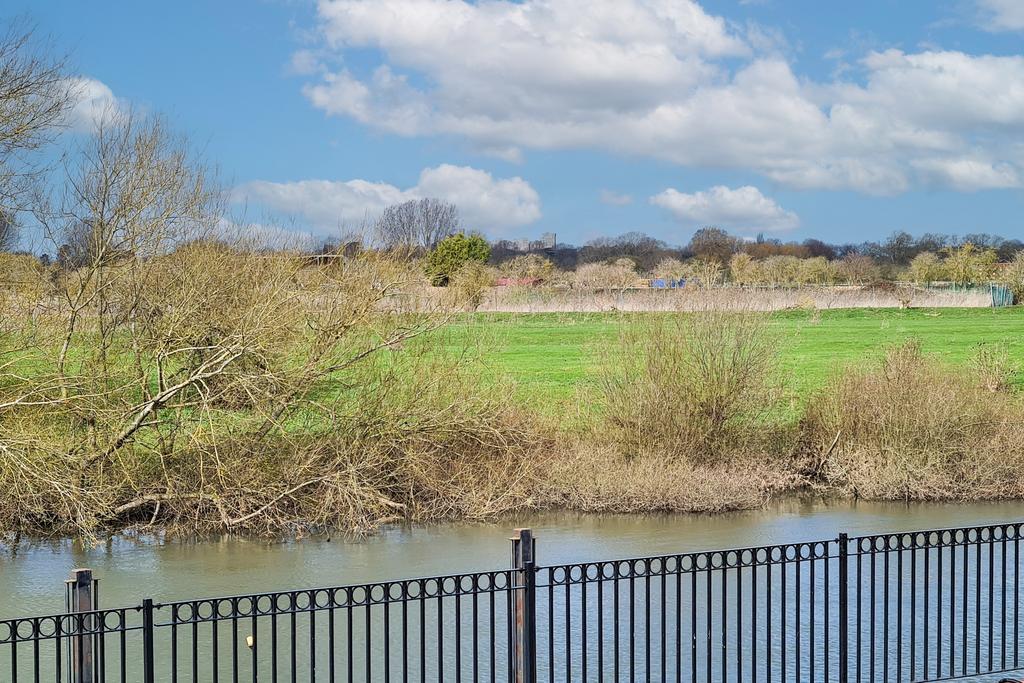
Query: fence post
524, 620
148, 668
81, 599
844, 610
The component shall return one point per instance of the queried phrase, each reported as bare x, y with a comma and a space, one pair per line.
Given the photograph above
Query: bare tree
8, 231
35, 95
132, 193
713, 243
417, 224
186, 373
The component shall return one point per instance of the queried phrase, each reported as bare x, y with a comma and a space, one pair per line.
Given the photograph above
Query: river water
32, 575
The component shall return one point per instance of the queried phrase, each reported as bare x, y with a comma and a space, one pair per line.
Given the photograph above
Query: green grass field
552, 358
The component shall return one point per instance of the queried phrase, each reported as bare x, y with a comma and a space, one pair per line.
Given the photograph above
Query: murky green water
32, 575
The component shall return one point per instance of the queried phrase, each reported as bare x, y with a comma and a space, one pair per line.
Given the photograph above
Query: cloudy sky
798, 118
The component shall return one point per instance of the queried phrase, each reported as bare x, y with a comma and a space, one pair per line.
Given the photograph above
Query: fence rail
930, 605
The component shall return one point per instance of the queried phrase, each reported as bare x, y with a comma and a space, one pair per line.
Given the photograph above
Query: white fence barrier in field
550, 300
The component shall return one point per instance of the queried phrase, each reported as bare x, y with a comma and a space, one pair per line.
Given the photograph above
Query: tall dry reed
913, 428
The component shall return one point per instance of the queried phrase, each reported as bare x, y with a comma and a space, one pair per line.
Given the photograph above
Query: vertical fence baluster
844, 608
963, 608
871, 612
753, 618
784, 613
991, 601
899, 611
1016, 595
885, 610
632, 623
768, 617
952, 605
148, 656
583, 622
679, 620
1002, 597
693, 619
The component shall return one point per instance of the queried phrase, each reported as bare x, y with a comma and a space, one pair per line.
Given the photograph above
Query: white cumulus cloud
744, 209
485, 203
668, 80
93, 102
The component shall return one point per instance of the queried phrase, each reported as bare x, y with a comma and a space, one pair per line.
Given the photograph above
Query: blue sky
843, 121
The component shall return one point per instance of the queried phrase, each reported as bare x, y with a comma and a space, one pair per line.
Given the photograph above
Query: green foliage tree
454, 252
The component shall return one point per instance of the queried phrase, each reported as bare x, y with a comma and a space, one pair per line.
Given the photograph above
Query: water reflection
31, 579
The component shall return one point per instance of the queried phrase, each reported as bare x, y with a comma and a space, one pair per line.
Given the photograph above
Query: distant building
547, 242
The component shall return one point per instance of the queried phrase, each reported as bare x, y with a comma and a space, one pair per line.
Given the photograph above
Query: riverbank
469, 417
132, 567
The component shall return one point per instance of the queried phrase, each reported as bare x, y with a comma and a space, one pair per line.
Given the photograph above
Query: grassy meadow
551, 358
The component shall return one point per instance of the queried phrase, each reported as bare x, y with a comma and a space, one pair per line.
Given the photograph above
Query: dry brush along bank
217, 389
210, 388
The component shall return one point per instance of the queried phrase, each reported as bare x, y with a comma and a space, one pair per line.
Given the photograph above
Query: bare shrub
697, 386
992, 368
707, 272
593, 477
670, 269
1013, 277
743, 270
528, 267
618, 275
926, 268
781, 270
21, 275
409, 436
470, 283
911, 428
969, 264
260, 392
858, 269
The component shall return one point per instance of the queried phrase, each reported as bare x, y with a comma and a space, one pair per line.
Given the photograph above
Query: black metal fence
915, 606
